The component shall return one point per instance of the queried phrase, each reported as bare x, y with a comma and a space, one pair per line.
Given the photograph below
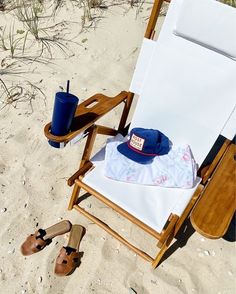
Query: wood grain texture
213, 212
153, 18
86, 116
86, 166
208, 170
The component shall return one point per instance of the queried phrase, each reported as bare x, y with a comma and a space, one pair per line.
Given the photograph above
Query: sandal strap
69, 249
42, 233
36, 242
70, 259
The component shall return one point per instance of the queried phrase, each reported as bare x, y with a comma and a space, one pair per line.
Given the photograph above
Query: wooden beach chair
186, 88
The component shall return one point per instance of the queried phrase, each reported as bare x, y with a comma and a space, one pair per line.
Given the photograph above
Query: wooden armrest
87, 113
207, 171
213, 212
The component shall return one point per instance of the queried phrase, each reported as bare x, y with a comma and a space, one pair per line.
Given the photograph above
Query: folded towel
175, 169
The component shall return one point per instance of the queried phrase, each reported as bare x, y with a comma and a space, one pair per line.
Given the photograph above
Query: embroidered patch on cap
137, 142
144, 144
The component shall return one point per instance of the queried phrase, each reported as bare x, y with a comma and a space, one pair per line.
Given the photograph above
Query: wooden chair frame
85, 121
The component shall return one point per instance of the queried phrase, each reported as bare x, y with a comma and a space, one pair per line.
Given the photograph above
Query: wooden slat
89, 145
168, 228
213, 212
74, 196
207, 172
113, 233
102, 130
125, 112
153, 18
118, 209
189, 207
80, 172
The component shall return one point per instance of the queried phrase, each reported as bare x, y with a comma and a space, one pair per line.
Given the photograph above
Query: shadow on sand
186, 231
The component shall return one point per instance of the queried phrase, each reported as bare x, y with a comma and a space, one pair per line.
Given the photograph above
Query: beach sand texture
33, 175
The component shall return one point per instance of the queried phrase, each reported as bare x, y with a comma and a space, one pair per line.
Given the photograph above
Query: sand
33, 175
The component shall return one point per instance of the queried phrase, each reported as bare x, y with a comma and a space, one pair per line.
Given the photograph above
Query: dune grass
230, 2
33, 36
39, 35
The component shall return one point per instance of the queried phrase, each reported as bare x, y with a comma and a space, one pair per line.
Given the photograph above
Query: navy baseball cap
144, 144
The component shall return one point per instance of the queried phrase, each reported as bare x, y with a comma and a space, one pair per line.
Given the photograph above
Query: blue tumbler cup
63, 113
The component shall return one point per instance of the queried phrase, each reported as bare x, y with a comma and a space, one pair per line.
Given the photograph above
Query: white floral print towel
175, 169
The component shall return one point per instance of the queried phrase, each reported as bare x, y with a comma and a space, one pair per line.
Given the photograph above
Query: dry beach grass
95, 45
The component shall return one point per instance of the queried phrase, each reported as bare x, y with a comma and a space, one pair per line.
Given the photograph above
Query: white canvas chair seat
188, 93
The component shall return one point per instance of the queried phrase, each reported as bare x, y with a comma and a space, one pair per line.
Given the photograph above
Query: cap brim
137, 157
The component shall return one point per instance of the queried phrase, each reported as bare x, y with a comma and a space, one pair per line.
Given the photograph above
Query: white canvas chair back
188, 90
188, 93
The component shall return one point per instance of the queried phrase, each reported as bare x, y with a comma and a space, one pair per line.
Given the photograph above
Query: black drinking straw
68, 87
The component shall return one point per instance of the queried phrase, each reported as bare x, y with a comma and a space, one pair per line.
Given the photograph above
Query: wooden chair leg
125, 112
161, 253
74, 196
89, 145
173, 228
159, 256
113, 233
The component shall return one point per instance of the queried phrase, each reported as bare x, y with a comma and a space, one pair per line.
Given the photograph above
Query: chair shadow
187, 230
231, 232
182, 237
82, 120
83, 197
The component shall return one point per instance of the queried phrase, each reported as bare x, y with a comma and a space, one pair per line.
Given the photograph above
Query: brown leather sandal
69, 256
41, 238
